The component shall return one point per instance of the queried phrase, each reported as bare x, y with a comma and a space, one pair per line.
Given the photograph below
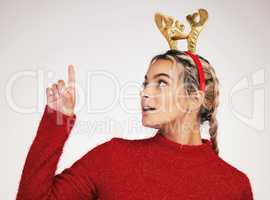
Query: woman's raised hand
62, 97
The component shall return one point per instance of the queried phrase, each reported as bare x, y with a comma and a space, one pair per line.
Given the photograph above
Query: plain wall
111, 43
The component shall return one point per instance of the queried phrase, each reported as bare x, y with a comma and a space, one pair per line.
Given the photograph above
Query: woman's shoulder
130, 142
228, 166
231, 172
113, 149
119, 142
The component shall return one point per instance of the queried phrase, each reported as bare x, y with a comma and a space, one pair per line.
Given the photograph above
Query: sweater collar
201, 149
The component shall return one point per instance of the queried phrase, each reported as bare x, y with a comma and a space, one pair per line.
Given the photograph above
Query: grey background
117, 39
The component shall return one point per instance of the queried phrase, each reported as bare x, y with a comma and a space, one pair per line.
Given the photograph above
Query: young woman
176, 163
180, 92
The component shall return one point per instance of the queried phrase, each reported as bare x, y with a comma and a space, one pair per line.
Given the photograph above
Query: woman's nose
143, 94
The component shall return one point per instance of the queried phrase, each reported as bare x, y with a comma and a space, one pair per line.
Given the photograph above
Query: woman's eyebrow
157, 75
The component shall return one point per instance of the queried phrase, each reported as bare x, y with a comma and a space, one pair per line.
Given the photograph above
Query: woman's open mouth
148, 109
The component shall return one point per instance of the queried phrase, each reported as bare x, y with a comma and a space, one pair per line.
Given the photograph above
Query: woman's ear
182, 100
196, 100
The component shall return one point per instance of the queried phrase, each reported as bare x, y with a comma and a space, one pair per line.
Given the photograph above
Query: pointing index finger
71, 75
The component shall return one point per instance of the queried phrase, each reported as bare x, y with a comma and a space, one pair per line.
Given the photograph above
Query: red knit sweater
154, 168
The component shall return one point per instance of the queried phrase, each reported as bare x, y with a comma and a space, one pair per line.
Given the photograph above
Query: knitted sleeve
38, 180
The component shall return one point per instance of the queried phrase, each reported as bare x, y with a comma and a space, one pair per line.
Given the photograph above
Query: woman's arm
38, 180
247, 193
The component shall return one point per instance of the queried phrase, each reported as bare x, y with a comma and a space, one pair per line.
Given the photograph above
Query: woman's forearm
41, 162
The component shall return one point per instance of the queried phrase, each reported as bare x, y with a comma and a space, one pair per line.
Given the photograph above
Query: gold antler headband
173, 30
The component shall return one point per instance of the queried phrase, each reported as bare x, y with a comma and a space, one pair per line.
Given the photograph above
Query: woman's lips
146, 112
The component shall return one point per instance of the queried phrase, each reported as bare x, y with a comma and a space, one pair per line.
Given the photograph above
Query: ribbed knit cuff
60, 119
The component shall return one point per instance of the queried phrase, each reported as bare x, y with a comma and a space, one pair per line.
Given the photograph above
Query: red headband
198, 63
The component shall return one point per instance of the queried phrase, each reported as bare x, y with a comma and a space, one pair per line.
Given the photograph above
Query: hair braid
214, 102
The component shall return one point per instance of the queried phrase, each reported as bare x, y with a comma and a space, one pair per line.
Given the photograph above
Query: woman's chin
150, 123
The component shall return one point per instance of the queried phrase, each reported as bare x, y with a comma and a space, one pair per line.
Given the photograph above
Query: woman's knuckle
60, 81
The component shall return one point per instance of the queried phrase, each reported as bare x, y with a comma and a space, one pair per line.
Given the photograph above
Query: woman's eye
144, 84
162, 85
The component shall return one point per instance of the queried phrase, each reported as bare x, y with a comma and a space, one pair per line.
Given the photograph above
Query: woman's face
163, 95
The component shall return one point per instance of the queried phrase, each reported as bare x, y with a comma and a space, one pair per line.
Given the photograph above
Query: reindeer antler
196, 27
173, 30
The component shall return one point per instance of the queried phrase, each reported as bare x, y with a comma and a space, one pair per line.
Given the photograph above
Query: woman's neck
184, 131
